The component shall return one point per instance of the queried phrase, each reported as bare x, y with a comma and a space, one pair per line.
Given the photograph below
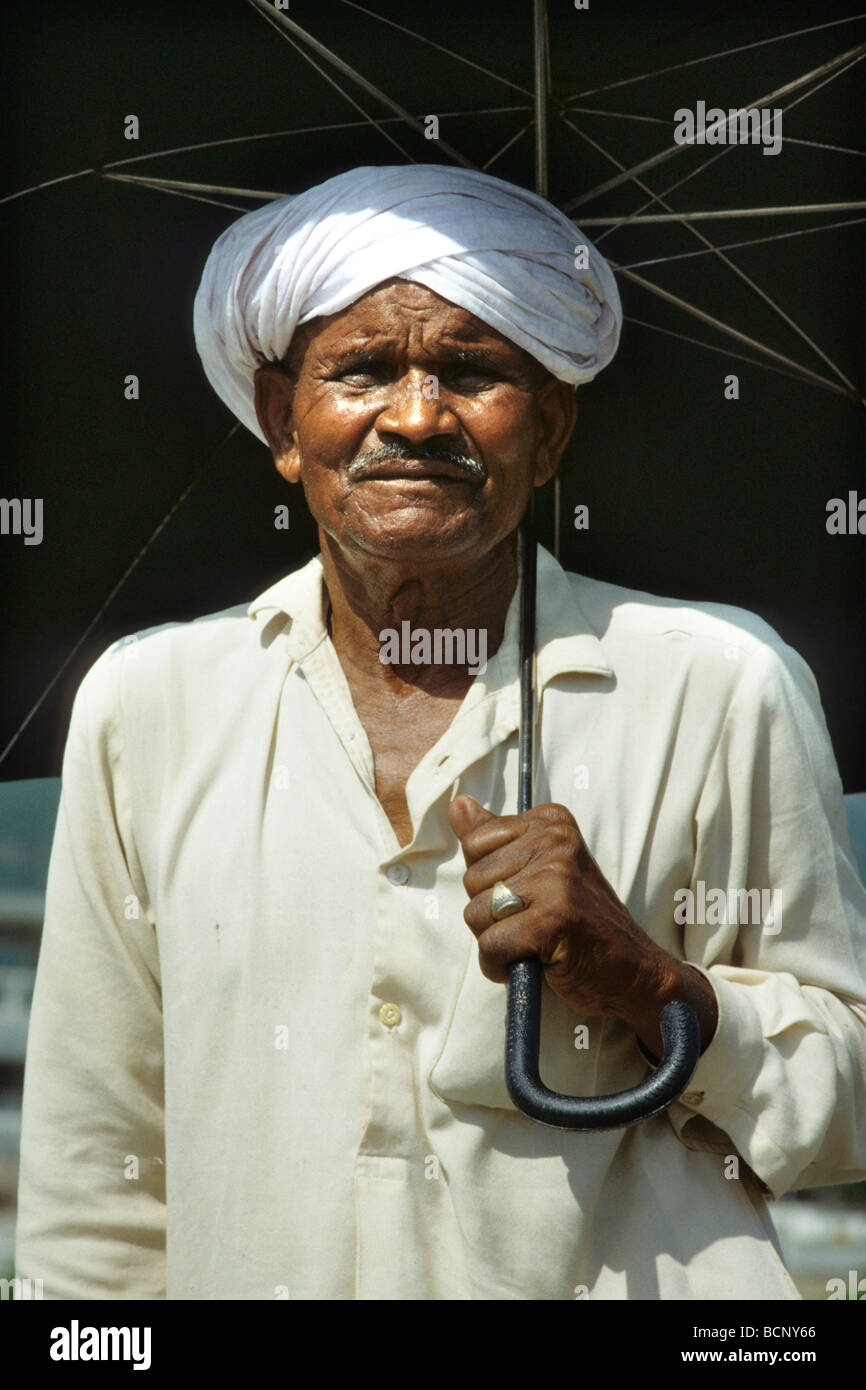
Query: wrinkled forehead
396, 312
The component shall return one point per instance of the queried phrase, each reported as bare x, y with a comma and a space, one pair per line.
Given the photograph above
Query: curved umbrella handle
681, 1034
681, 1047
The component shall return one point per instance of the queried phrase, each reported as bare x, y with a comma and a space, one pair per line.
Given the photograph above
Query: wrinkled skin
433, 540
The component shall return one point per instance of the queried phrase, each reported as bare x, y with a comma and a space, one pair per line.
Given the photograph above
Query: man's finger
500, 864
478, 830
478, 913
465, 813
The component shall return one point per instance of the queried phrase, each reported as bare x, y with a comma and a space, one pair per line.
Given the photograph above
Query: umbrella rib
180, 185
737, 356
64, 178
431, 43
239, 140
741, 274
165, 186
659, 198
672, 151
726, 328
369, 120
619, 115
493, 158
175, 506
718, 213
736, 245
661, 120
287, 27
275, 21
820, 145
709, 57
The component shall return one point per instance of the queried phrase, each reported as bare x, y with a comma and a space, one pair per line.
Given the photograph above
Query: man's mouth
386, 463
414, 468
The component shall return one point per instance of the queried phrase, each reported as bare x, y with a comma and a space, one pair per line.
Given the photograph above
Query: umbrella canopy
155, 508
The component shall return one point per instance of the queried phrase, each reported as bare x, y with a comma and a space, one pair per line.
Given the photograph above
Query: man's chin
425, 549
423, 544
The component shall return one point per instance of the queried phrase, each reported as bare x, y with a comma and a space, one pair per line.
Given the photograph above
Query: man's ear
274, 394
558, 415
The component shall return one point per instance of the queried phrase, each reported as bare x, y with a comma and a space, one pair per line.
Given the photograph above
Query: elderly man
266, 1056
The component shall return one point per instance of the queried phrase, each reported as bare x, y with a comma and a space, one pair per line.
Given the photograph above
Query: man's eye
365, 371
467, 378
461, 376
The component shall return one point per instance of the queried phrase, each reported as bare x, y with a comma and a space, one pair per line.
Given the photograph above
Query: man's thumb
465, 813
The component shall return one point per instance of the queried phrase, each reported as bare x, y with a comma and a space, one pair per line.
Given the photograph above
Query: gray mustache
471, 467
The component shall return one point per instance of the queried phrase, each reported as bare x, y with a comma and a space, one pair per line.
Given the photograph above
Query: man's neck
468, 595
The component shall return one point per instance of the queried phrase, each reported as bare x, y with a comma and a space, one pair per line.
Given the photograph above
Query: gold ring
503, 902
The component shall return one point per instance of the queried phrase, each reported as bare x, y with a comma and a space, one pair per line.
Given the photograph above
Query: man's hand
594, 954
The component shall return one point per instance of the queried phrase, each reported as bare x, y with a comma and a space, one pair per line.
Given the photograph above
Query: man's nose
415, 410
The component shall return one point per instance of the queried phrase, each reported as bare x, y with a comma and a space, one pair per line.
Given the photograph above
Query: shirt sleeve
785, 1074
91, 1214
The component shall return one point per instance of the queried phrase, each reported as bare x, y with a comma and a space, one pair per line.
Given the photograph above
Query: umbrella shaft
527, 554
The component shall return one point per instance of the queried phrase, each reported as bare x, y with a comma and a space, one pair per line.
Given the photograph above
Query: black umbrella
115, 429
102, 274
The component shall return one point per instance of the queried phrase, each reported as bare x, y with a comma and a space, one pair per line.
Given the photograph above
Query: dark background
690, 495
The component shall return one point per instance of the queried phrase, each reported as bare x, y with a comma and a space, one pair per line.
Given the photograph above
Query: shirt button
390, 1015
693, 1097
398, 873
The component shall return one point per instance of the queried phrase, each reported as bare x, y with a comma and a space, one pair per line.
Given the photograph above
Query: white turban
507, 255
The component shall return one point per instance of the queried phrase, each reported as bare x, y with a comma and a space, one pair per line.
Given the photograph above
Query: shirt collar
565, 641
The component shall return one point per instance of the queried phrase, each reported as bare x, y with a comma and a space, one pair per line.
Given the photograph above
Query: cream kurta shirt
263, 1060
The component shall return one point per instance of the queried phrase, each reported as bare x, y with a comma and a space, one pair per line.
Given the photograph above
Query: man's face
417, 431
